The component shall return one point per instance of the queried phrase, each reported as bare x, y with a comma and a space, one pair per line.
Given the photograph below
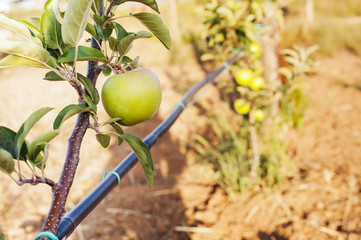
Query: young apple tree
54, 41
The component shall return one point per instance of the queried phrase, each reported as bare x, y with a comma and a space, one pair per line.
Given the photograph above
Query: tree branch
60, 194
35, 181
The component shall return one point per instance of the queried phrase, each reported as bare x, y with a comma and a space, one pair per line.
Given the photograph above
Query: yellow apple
255, 49
257, 83
241, 106
258, 115
244, 76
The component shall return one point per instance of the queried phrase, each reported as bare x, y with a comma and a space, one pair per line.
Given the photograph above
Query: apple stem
122, 69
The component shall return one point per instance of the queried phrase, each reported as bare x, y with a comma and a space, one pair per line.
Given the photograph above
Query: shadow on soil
133, 210
270, 236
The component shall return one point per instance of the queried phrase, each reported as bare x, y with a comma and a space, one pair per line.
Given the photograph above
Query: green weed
228, 153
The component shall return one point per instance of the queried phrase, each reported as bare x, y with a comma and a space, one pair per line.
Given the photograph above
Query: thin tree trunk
270, 52
61, 189
310, 10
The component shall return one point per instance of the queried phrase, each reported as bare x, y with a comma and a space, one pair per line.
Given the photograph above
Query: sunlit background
5, 5
318, 200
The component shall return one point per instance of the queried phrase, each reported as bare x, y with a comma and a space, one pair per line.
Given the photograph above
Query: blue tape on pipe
182, 105
114, 173
48, 235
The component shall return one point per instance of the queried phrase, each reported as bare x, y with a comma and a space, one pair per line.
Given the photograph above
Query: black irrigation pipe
79, 212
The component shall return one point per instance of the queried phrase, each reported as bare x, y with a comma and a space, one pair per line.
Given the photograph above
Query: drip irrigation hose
81, 210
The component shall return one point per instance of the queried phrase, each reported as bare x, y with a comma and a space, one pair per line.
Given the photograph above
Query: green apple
244, 76
134, 96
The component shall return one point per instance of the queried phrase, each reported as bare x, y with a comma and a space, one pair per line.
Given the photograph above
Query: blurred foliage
294, 100
254, 153
329, 39
227, 154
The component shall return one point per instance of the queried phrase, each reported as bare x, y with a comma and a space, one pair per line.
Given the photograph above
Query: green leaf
26, 50
135, 63
93, 92
119, 30
24, 150
27, 125
97, 6
106, 71
40, 161
68, 112
143, 154
35, 31
7, 140
155, 24
36, 22
52, 76
35, 149
103, 139
16, 61
51, 29
150, 3
125, 44
84, 54
91, 103
6, 161
100, 20
18, 28
104, 33
113, 43
126, 59
55, 7
52, 62
119, 132
112, 120
75, 21
91, 30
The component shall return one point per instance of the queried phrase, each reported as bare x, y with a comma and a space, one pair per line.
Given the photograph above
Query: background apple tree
266, 91
54, 42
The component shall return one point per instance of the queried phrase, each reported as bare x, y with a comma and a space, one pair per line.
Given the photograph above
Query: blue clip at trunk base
48, 235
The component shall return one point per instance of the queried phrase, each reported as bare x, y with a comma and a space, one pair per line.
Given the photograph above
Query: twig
193, 229
110, 7
35, 181
347, 212
331, 232
127, 212
163, 192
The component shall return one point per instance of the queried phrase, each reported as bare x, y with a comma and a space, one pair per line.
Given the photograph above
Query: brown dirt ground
320, 198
